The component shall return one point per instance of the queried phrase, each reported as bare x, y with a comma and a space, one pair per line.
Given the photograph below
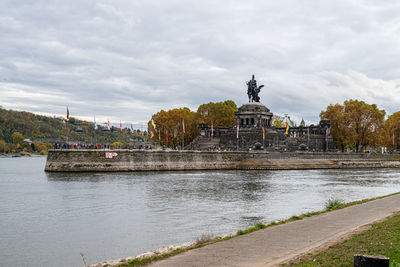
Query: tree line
355, 125
170, 125
48, 130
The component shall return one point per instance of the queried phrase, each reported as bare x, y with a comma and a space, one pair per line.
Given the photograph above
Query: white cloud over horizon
125, 60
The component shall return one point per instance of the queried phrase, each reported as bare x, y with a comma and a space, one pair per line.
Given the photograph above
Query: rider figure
253, 90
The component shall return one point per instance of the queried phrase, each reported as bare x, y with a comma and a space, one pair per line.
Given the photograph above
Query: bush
42, 146
23, 153
116, 144
333, 203
3, 146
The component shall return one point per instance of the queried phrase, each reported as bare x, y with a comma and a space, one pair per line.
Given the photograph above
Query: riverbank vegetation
333, 203
43, 132
381, 239
337, 204
23, 148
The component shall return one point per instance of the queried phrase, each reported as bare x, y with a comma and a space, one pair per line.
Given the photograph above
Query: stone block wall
136, 160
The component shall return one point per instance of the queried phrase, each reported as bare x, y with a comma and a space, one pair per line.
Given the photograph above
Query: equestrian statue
253, 90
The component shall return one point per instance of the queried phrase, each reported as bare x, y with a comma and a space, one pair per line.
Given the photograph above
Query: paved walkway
273, 245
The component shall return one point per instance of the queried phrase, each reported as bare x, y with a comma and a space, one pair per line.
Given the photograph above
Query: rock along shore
93, 160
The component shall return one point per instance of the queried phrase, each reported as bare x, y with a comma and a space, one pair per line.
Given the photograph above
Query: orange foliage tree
392, 131
355, 124
171, 123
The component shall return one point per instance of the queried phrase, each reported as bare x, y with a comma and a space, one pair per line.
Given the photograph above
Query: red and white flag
393, 137
183, 125
108, 125
212, 129
110, 155
120, 126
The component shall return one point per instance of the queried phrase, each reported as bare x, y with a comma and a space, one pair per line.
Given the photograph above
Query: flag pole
263, 136
326, 139
393, 141
94, 132
66, 125
237, 135
66, 128
183, 133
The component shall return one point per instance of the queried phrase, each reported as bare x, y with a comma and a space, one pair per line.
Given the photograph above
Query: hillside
54, 129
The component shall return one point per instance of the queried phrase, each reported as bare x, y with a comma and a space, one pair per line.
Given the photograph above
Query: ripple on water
113, 215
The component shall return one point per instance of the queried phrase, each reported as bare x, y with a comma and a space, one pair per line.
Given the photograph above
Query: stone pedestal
254, 115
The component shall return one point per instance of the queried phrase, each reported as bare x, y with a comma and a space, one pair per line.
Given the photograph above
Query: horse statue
253, 90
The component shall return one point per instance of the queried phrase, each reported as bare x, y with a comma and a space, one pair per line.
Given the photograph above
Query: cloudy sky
127, 59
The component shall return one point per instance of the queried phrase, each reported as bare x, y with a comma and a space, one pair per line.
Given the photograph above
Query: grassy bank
330, 205
382, 239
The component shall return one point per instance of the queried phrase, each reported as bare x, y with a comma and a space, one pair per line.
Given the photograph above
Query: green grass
256, 227
336, 204
382, 239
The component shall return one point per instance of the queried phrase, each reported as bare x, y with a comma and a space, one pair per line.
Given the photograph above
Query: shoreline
171, 250
119, 160
23, 155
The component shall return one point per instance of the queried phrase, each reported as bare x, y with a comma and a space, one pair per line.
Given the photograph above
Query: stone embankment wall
136, 160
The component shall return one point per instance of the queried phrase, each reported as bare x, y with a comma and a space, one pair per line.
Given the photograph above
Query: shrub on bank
333, 203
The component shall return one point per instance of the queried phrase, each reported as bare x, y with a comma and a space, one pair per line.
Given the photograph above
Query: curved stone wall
136, 160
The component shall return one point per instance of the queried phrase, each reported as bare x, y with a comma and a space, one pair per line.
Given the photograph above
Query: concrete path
274, 245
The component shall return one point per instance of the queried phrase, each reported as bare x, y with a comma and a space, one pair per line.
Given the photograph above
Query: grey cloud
129, 59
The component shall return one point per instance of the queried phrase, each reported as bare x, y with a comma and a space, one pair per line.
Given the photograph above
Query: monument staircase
205, 143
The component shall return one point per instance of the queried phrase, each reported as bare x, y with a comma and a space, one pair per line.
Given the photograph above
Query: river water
48, 219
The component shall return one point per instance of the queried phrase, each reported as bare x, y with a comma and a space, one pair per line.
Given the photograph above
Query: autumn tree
3, 146
170, 123
38, 127
17, 138
339, 128
355, 123
277, 121
392, 131
220, 113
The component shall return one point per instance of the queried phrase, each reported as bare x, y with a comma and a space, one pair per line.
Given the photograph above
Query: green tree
17, 138
221, 113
